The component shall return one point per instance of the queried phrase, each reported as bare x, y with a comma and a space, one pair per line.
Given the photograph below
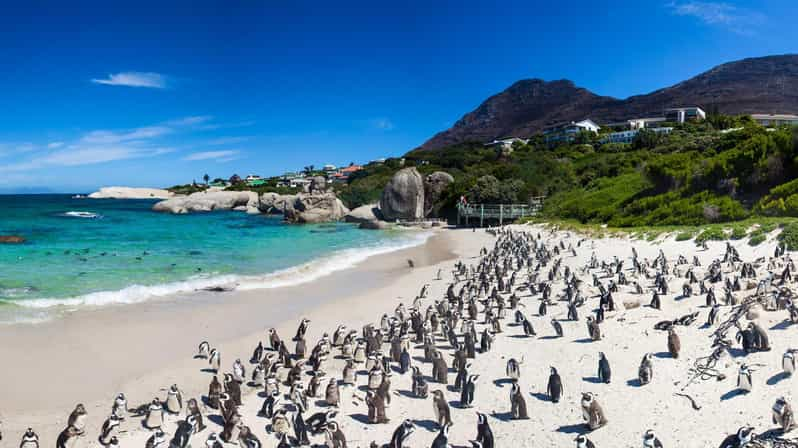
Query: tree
206, 178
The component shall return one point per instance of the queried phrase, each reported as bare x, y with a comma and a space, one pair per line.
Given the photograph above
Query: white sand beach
90, 356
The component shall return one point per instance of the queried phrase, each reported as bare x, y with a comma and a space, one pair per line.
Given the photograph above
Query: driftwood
692, 400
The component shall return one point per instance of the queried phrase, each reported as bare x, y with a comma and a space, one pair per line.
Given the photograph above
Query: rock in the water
315, 208
131, 193
373, 224
403, 197
434, 186
11, 239
209, 201
274, 203
368, 212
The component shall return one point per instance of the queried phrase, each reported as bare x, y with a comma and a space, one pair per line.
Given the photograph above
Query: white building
567, 132
629, 136
329, 168
776, 119
682, 114
643, 123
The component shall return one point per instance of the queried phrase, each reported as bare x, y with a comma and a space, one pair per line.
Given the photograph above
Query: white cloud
107, 137
227, 140
55, 145
188, 121
219, 156
736, 19
383, 124
134, 79
78, 155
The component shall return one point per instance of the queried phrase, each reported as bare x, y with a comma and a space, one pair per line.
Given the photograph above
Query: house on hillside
505, 145
567, 132
629, 136
683, 114
775, 119
644, 123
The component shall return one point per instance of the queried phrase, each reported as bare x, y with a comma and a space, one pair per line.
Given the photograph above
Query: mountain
755, 85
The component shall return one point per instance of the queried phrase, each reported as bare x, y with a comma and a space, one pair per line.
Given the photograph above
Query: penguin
319, 421
193, 412
782, 415
442, 439
274, 339
284, 443
68, 437
484, 433
788, 362
300, 429
528, 329
440, 371
593, 329
214, 393
656, 303
156, 440
30, 439
248, 439
109, 429
604, 372
302, 329
592, 412
213, 441
182, 435
119, 408
401, 434
713, 315
554, 388
646, 370
203, 350
332, 395
215, 360
174, 400
513, 369
744, 382
440, 406
257, 354
557, 327
420, 386
650, 440
517, 403
333, 436
542, 308
77, 419
376, 407
741, 439
270, 405
404, 361
584, 442
761, 341
469, 389
154, 418
674, 344
232, 429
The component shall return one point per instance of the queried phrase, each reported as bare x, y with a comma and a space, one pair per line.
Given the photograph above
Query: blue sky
157, 93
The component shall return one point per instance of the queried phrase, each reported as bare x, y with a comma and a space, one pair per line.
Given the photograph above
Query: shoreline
100, 352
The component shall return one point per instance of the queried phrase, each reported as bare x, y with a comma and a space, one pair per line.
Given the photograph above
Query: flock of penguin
479, 301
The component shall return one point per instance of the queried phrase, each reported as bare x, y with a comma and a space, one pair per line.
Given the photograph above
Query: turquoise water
87, 252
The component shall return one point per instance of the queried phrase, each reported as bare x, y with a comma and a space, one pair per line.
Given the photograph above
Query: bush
738, 233
757, 239
711, 234
789, 236
684, 236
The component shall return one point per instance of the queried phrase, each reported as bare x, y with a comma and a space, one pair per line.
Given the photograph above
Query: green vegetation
723, 169
187, 188
269, 187
789, 236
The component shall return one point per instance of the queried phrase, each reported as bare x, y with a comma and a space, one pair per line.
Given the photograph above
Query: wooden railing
498, 212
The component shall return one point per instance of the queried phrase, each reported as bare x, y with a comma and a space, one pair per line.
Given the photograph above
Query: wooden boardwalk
499, 212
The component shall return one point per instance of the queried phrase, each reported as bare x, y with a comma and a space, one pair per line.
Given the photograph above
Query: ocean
94, 252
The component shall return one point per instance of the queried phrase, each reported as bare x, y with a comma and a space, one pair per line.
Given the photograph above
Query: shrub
684, 236
756, 240
710, 234
738, 233
789, 236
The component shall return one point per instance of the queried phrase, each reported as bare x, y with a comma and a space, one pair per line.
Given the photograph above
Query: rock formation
131, 193
315, 208
364, 213
11, 239
403, 196
209, 201
274, 203
434, 186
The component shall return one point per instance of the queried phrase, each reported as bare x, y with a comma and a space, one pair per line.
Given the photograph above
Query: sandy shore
90, 356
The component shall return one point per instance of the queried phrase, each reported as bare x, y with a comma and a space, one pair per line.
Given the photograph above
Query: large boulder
11, 239
434, 186
131, 193
315, 208
373, 224
208, 202
318, 184
403, 197
364, 213
274, 203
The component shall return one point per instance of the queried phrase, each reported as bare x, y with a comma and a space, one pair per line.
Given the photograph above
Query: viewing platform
498, 212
